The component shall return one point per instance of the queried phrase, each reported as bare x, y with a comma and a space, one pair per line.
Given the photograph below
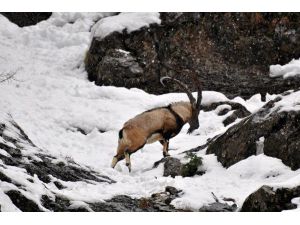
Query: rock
172, 167
158, 202
26, 18
218, 207
4, 178
172, 190
279, 129
229, 52
121, 66
60, 204
239, 111
23, 203
268, 199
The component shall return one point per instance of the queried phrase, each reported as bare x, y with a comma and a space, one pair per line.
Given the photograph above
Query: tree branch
5, 77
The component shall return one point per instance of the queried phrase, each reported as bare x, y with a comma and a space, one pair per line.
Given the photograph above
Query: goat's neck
183, 109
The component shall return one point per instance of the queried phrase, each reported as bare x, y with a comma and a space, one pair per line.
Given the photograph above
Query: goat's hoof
128, 166
166, 155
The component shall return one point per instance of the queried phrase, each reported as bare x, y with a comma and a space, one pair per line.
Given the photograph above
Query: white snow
291, 69
290, 102
122, 21
51, 98
260, 146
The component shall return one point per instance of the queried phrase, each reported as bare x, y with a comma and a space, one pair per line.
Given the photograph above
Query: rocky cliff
230, 52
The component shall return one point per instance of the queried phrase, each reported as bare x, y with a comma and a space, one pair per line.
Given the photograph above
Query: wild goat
158, 124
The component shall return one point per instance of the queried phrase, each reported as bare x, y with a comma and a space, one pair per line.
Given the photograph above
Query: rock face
23, 19
266, 199
280, 130
230, 52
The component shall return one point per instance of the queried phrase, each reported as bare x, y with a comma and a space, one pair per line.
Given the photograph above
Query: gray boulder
268, 199
173, 167
280, 130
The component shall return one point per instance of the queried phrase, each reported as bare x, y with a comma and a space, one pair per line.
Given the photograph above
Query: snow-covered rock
124, 21
278, 122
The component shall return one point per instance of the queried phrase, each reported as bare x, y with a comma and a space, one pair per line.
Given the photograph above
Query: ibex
158, 124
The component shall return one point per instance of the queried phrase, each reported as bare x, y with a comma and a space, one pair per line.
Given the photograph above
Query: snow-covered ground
51, 98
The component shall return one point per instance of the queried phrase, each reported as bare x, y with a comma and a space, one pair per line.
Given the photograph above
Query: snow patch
292, 69
128, 21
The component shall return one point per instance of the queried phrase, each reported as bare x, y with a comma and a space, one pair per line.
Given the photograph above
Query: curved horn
199, 91
183, 86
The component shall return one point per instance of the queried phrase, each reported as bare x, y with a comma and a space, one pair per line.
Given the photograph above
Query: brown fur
158, 124
150, 126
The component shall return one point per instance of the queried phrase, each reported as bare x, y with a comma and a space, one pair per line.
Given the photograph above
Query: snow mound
128, 21
292, 69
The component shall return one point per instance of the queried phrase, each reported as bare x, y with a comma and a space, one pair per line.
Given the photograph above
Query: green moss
191, 168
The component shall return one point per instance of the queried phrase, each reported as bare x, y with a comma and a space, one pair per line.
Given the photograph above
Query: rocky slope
41, 170
271, 130
230, 52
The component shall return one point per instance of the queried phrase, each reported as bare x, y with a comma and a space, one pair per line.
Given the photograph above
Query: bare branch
7, 76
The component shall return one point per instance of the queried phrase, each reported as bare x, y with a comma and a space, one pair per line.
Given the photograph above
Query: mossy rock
191, 168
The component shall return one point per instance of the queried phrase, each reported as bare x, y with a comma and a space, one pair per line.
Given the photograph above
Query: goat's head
195, 104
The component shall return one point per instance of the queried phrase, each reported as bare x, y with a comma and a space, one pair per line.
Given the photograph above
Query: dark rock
158, 202
230, 52
2, 128
218, 207
121, 66
23, 203
280, 130
223, 112
239, 111
4, 178
70, 172
267, 199
173, 190
26, 18
59, 204
58, 185
172, 167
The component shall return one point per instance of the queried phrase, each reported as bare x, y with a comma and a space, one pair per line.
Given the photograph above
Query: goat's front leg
165, 144
127, 159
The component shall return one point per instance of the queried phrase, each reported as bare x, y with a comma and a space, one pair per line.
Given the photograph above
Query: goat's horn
182, 85
199, 91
